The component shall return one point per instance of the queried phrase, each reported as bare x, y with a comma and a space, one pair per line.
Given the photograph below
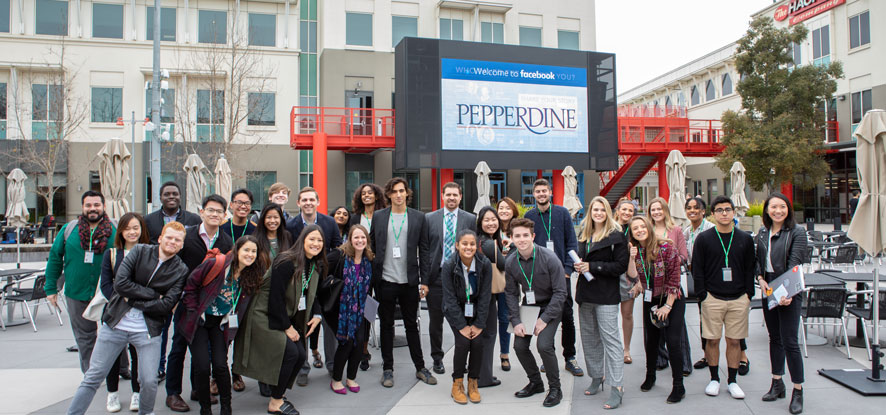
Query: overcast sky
652, 37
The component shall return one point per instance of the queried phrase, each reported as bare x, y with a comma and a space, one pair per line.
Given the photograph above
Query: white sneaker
735, 391
713, 388
133, 403
113, 402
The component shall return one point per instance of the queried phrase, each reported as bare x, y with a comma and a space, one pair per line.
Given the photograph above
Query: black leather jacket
137, 285
788, 248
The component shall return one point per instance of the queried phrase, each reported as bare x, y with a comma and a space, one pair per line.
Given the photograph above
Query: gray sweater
548, 283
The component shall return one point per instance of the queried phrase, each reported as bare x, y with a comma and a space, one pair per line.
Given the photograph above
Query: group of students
269, 283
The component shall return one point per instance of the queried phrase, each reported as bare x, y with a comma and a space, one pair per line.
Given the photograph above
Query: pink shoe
342, 391
354, 389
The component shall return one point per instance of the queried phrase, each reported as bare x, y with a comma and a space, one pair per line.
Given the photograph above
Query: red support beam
663, 190
320, 170
557, 186
446, 176
787, 189
539, 174
434, 173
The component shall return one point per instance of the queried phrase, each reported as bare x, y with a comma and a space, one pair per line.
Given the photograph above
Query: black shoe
776, 391
677, 394
530, 389
264, 389
161, 376
73, 348
438, 367
553, 399
125, 374
796, 401
701, 363
649, 382
495, 382
226, 409
286, 409
744, 368
364, 362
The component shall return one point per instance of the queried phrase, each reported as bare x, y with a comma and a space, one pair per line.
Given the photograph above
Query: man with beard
147, 286
78, 251
170, 210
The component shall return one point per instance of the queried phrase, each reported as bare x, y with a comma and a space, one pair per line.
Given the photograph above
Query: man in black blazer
443, 225
198, 240
308, 198
400, 272
170, 210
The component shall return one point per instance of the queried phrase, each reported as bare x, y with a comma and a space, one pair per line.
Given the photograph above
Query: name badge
396, 252
469, 310
727, 274
232, 321
550, 245
302, 304
530, 297
647, 296
88, 257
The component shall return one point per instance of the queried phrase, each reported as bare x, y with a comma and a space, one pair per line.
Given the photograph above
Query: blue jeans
504, 338
109, 344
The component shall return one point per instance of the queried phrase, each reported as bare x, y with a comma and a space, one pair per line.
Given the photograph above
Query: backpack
217, 268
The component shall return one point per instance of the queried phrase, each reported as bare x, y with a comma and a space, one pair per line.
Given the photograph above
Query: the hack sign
503, 106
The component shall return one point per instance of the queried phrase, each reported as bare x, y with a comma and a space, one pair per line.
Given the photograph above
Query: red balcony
358, 130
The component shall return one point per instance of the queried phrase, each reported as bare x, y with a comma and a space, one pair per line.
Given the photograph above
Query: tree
779, 127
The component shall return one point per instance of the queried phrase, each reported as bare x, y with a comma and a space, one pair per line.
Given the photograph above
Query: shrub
756, 209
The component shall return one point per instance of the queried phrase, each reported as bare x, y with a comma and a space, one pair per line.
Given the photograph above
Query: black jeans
349, 354
467, 352
293, 358
653, 334
487, 337
567, 336
389, 295
783, 324
209, 340
435, 320
113, 379
545, 347
175, 360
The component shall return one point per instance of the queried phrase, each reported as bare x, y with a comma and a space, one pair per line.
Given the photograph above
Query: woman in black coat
467, 292
604, 254
781, 244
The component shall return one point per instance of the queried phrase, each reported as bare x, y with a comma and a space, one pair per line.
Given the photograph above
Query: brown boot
458, 391
473, 392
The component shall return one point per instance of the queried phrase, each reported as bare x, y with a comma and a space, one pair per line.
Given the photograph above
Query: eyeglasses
212, 211
723, 210
240, 203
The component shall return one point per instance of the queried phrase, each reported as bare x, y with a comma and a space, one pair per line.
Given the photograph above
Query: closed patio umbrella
482, 171
196, 180
570, 191
114, 177
16, 210
737, 176
223, 184
676, 175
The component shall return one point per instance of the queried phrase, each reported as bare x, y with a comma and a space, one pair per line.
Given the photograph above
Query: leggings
348, 353
209, 350
783, 324
653, 334
113, 379
293, 358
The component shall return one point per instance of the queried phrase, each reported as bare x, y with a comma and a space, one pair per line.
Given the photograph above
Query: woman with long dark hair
342, 217
624, 211
507, 210
781, 244
271, 233
368, 198
216, 297
489, 245
351, 263
132, 230
270, 346
657, 263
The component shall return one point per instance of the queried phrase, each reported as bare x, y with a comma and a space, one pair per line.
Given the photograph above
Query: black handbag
657, 322
329, 293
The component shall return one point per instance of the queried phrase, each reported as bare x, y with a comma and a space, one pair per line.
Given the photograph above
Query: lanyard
305, 282
531, 273
241, 233
91, 231
725, 248
549, 226
237, 297
398, 231
645, 272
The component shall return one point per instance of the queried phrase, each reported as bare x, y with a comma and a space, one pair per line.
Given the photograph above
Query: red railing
348, 129
832, 132
652, 111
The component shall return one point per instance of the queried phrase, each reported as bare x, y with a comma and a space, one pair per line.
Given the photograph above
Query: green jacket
67, 256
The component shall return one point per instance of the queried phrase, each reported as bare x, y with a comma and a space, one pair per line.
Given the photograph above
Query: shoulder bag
498, 276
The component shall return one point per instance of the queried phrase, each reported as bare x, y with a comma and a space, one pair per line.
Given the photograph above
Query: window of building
353, 180
530, 36
52, 17
210, 115
358, 29
667, 102
47, 107
491, 32
167, 103
860, 30
861, 104
262, 29
167, 24
305, 168
107, 20
726, 84
567, 39
107, 104
4, 16
821, 46
694, 96
2, 111
402, 26
258, 182
796, 53
213, 26
710, 93
452, 29
308, 36
261, 108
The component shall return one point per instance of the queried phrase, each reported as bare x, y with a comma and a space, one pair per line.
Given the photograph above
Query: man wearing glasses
723, 270
239, 224
198, 240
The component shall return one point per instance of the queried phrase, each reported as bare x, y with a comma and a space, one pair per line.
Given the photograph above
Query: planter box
750, 224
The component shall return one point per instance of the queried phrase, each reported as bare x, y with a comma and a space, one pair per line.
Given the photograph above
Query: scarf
100, 236
353, 298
